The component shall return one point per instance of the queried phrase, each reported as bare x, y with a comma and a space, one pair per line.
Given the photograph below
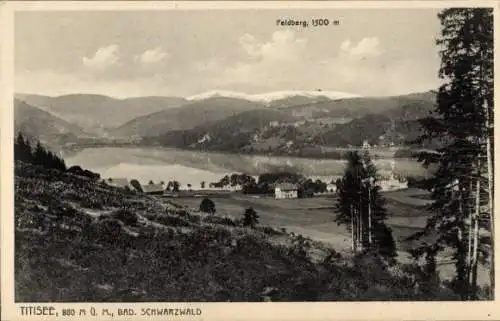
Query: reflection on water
163, 164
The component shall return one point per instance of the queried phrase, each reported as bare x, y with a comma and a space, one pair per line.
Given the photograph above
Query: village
283, 188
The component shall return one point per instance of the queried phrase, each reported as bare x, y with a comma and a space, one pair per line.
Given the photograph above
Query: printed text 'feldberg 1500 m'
321, 22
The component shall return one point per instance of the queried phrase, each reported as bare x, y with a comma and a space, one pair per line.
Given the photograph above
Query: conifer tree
22, 149
462, 187
250, 217
39, 156
361, 208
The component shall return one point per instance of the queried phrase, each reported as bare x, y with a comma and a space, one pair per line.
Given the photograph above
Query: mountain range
274, 96
283, 122
98, 113
46, 127
188, 116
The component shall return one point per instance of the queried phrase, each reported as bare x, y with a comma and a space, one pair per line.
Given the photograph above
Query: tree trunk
360, 213
473, 273
369, 216
490, 200
352, 230
469, 244
489, 162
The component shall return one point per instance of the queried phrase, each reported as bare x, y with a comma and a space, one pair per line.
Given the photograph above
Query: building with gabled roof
286, 190
153, 189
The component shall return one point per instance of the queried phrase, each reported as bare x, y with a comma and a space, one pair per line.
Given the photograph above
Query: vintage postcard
248, 160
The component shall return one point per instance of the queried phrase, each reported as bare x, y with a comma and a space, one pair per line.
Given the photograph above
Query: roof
120, 182
153, 188
286, 186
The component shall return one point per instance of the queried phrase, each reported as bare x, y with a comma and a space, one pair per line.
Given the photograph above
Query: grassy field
315, 216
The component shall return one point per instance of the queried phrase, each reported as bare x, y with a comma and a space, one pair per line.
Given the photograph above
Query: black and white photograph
252, 155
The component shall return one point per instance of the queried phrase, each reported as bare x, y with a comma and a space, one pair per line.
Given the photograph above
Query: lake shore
326, 152
191, 167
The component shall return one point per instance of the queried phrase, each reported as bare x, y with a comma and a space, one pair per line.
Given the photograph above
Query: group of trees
34, 153
173, 186
310, 187
360, 207
234, 179
265, 183
462, 187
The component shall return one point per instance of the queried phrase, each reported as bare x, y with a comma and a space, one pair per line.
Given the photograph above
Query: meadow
314, 217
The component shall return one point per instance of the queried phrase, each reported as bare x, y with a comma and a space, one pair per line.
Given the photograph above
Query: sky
372, 52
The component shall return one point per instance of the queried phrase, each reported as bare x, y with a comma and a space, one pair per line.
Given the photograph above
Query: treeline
34, 153
264, 184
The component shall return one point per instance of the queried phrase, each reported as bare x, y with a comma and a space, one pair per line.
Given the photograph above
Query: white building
331, 188
392, 182
153, 189
366, 145
286, 190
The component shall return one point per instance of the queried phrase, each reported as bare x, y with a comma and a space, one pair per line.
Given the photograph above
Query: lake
191, 167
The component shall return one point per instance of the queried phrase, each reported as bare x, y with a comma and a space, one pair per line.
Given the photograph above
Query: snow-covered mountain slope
272, 96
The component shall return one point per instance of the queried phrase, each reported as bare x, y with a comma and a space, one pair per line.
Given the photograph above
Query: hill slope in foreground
79, 240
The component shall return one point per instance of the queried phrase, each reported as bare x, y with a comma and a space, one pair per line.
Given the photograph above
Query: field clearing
315, 217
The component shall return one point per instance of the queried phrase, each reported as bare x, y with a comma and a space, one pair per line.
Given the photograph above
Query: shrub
135, 184
207, 206
250, 217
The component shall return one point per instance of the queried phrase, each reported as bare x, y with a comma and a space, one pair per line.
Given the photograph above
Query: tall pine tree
462, 187
22, 149
37, 156
361, 208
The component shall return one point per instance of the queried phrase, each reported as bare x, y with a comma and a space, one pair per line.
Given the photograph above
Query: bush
250, 217
207, 206
135, 184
